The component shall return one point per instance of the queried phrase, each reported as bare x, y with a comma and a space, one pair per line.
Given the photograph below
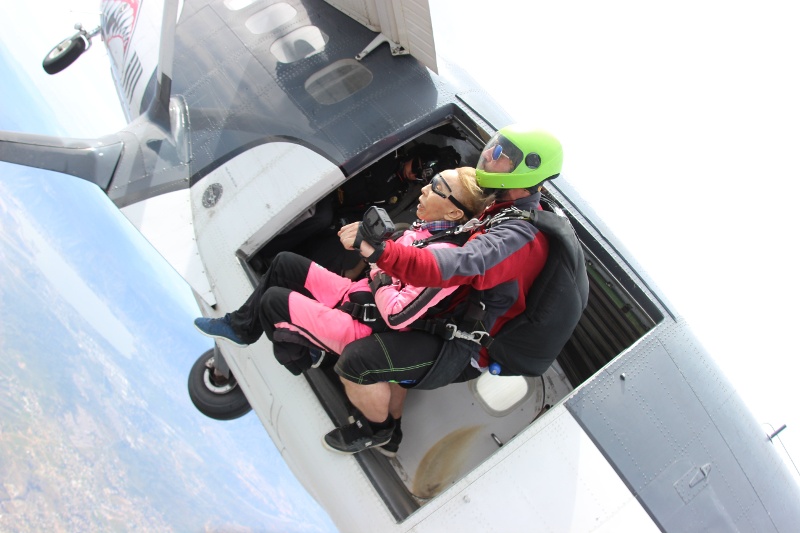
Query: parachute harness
467, 329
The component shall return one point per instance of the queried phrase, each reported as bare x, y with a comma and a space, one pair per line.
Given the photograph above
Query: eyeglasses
438, 179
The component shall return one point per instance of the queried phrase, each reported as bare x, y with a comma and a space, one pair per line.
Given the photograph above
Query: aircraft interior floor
447, 432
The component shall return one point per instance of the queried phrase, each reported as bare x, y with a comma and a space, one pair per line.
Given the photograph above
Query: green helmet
519, 158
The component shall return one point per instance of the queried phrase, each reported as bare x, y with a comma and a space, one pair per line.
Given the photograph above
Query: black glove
379, 247
359, 238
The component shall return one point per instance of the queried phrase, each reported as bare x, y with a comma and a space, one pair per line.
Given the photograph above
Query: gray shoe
357, 437
219, 328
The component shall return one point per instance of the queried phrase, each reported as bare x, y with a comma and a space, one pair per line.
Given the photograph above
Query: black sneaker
390, 448
357, 437
317, 356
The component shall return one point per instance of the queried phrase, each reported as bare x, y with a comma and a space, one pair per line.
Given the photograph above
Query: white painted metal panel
262, 191
416, 31
133, 37
448, 432
407, 22
166, 221
362, 11
551, 478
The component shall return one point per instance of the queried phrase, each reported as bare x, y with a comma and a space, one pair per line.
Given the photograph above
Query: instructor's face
502, 164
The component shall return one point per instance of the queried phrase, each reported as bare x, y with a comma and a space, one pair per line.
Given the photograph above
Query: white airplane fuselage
246, 113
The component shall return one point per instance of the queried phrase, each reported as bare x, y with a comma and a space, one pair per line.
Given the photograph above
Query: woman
301, 305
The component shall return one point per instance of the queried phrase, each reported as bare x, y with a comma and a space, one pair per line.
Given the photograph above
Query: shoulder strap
451, 235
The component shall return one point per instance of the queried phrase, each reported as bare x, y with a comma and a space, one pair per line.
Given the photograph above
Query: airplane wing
405, 24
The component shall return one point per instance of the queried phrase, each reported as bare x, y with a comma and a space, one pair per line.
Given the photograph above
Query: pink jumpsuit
295, 305
317, 318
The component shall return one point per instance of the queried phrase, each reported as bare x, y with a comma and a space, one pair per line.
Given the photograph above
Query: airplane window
338, 81
269, 18
236, 5
499, 395
301, 43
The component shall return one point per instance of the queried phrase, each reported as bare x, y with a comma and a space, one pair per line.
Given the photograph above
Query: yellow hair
476, 200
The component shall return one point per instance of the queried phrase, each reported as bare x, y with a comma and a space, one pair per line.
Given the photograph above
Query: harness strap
452, 235
381, 279
448, 330
515, 213
471, 325
366, 313
468, 329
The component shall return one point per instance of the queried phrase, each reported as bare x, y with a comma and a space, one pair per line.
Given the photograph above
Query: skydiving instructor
499, 262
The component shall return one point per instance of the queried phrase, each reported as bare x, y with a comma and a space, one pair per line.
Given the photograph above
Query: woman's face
433, 207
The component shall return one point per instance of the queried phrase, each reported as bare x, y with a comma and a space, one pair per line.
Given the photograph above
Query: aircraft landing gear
215, 395
68, 50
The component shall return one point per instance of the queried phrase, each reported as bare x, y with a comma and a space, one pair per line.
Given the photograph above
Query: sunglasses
497, 153
435, 182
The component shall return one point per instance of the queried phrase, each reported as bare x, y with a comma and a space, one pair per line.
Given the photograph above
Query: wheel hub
214, 383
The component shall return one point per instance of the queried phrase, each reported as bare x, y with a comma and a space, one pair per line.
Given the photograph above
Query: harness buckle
473, 336
469, 225
478, 336
368, 316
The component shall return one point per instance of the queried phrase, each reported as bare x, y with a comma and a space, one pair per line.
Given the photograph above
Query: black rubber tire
64, 54
217, 405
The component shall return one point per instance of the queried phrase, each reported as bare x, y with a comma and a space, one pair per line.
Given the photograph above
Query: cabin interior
450, 431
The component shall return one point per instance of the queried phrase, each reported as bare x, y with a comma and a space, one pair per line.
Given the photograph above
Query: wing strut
397, 48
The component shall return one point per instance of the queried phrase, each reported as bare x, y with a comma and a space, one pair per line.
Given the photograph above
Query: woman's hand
347, 236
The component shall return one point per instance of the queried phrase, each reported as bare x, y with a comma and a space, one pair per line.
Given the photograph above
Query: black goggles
439, 180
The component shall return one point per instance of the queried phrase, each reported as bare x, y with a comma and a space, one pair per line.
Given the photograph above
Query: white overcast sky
679, 122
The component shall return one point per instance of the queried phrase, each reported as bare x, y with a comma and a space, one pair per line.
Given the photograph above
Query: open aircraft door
404, 24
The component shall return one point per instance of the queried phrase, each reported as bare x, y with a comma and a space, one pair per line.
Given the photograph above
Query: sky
82, 253
679, 124
97, 429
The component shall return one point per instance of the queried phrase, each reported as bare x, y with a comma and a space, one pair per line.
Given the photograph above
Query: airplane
233, 135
